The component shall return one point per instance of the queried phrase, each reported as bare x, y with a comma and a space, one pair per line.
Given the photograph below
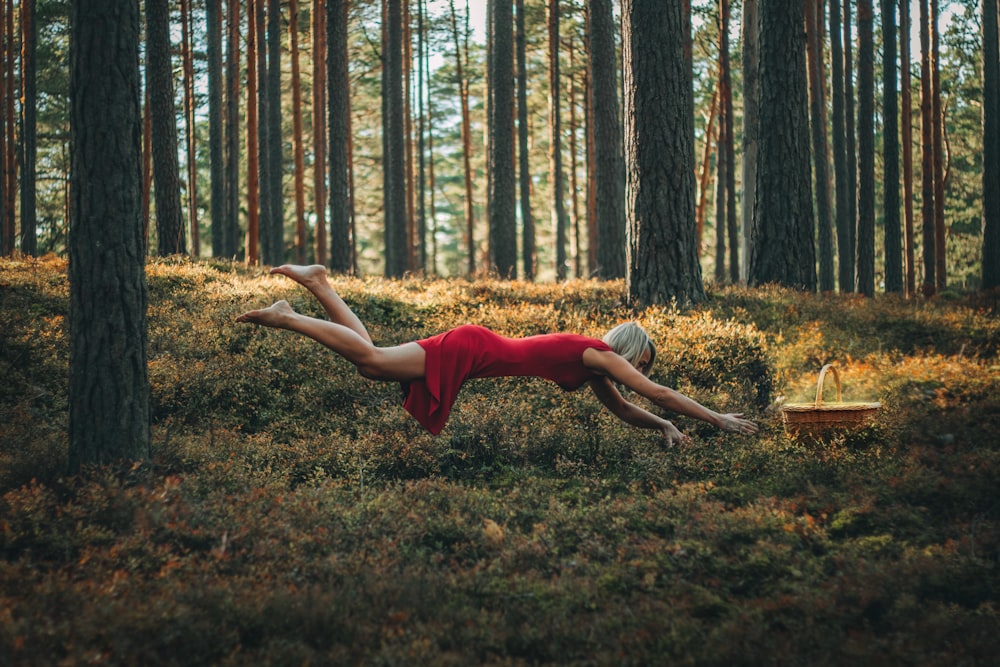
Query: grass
293, 513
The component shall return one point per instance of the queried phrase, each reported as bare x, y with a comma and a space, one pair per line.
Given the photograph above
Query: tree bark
232, 224
463, 88
907, 141
659, 155
396, 254
109, 397
528, 252
926, 153
937, 123
848, 252
991, 147
166, 173
189, 132
298, 150
339, 90
890, 148
213, 28
842, 209
29, 125
820, 145
751, 123
782, 249
609, 159
318, 29
502, 196
726, 101
865, 267
255, 138
557, 195
275, 159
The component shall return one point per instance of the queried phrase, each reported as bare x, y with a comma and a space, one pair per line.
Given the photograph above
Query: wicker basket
819, 419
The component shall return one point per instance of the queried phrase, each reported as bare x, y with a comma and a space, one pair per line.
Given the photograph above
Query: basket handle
822, 377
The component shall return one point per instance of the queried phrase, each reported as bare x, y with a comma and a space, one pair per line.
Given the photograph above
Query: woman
432, 371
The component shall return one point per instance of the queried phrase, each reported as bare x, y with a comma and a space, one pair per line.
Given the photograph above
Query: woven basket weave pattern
820, 418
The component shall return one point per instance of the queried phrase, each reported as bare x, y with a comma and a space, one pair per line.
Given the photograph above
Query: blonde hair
629, 340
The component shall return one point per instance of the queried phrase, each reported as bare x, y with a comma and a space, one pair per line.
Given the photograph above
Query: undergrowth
293, 513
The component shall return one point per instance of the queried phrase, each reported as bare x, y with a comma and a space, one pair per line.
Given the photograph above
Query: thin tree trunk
413, 236
192, 161
729, 141
890, 144
574, 211
821, 151
432, 228
865, 268
720, 202
906, 102
926, 153
396, 254
706, 162
147, 168
991, 146
556, 189
254, 12
751, 115
298, 150
463, 87
937, 122
29, 116
275, 159
528, 253
421, 188
319, 127
10, 194
166, 172
8, 225
232, 225
213, 28
339, 132
502, 197
845, 276
849, 254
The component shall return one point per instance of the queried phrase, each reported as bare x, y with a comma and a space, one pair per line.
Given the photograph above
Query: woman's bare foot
274, 315
307, 276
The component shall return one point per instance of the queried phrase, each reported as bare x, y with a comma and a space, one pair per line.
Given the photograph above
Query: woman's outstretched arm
618, 369
631, 413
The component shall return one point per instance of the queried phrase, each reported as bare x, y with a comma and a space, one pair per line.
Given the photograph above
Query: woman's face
643, 360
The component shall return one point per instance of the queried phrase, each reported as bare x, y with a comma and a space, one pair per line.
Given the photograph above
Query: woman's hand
672, 435
735, 423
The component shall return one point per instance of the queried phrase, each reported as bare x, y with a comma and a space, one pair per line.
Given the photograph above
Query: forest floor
291, 512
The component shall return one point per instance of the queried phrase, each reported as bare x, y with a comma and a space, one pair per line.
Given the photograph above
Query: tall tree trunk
109, 395
298, 150
848, 252
263, 211
213, 29
318, 28
751, 123
432, 228
926, 152
890, 146
147, 167
463, 88
502, 196
275, 167
726, 101
339, 91
396, 253
421, 193
166, 173
29, 124
865, 267
720, 201
574, 199
842, 209
556, 188
232, 148
706, 162
8, 225
937, 124
189, 124
414, 241
10, 187
254, 138
820, 146
609, 159
659, 154
991, 147
524, 169
782, 250
907, 141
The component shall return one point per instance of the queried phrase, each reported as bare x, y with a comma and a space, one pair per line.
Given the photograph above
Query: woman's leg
402, 362
313, 278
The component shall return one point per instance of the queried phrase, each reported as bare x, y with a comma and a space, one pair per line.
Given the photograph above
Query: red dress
472, 351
